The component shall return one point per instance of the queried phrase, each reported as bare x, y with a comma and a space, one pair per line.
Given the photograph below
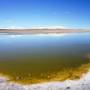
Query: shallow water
35, 58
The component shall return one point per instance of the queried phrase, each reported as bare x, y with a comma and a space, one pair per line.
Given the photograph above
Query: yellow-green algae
64, 74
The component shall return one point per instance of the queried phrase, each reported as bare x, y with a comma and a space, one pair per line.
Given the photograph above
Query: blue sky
35, 13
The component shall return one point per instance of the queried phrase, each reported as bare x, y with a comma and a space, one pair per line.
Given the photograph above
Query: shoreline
71, 74
42, 31
83, 82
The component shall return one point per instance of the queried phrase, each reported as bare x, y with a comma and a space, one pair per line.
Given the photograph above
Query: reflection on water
44, 57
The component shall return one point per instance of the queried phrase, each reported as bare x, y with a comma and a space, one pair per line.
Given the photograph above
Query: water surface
44, 57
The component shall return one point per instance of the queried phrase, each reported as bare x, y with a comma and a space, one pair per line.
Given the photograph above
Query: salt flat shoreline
42, 31
82, 84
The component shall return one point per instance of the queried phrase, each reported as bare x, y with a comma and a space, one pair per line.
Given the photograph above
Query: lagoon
39, 58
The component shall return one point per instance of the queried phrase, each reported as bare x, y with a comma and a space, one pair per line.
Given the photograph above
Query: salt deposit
81, 84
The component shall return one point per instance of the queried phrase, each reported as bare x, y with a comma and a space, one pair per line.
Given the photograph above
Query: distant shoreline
42, 31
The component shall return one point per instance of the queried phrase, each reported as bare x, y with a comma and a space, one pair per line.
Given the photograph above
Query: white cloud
13, 27
36, 27
49, 27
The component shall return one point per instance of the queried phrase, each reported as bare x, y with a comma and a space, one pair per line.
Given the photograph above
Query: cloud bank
36, 27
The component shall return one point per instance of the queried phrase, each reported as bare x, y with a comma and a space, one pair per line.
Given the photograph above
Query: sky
45, 13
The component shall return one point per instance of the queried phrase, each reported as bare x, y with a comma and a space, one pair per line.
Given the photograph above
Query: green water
37, 56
